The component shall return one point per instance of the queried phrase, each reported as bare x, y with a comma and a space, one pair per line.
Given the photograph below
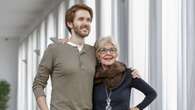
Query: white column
22, 104
155, 51
171, 31
19, 76
120, 28
51, 26
130, 38
104, 15
42, 39
71, 2
29, 74
182, 61
190, 54
19, 90
34, 64
115, 22
138, 41
61, 20
92, 36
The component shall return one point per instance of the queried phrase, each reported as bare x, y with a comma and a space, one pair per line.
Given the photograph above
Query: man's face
81, 24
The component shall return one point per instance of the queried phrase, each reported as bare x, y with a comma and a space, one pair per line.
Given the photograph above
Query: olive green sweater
72, 74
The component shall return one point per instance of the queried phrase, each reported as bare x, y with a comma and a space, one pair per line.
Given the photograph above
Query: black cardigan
120, 96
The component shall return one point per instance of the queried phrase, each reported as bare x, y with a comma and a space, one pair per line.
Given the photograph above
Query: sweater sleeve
43, 72
146, 89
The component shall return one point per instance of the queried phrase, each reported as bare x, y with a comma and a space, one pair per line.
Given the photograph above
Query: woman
113, 82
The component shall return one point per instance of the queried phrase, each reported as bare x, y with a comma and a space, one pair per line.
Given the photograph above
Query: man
71, 66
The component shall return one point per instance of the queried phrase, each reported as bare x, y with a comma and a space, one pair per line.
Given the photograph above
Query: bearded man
71, 66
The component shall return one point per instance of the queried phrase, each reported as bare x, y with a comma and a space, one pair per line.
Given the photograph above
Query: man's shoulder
90, 47
52, 45
55, 45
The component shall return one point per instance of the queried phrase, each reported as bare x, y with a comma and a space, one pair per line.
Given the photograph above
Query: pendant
108, 106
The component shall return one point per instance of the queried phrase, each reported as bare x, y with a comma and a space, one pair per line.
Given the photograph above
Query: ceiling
19, 17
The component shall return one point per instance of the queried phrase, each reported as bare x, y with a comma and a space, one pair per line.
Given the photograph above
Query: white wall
8, 65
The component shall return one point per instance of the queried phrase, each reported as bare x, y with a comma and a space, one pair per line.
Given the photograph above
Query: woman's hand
135, 73
134, 108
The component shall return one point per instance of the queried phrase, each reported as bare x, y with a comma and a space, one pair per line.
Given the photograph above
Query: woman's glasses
106, 50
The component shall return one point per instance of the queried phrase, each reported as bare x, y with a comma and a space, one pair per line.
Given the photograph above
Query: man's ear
70, 25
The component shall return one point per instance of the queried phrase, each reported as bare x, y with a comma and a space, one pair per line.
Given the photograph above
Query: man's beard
78, 30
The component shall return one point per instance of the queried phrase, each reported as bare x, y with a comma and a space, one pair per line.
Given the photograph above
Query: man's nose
87, 22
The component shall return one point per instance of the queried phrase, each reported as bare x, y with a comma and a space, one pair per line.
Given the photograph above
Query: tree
4, 94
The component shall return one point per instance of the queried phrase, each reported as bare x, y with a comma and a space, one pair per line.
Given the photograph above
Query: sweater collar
79, 47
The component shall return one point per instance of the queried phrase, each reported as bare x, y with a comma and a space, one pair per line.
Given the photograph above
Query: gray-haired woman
113, 81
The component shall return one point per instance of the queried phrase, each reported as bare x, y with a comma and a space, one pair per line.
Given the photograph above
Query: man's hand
135, 73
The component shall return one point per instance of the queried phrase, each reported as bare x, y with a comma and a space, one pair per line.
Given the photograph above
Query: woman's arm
146, 89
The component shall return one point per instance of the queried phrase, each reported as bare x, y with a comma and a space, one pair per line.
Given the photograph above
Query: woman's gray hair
103, 40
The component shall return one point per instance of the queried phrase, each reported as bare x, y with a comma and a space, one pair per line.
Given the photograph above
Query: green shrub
4, 94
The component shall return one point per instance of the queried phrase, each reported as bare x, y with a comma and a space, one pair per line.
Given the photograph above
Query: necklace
108, 99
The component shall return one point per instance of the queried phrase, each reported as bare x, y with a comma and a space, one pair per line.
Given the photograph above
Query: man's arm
40, 81
41, 101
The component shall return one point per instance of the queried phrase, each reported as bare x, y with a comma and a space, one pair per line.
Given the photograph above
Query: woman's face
107, 55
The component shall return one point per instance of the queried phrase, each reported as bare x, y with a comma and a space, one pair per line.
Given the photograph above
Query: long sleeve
43, 72
146, 89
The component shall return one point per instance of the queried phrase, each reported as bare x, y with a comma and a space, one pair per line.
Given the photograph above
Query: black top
120, 96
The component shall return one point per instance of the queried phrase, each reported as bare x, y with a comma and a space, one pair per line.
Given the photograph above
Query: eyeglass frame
106, 50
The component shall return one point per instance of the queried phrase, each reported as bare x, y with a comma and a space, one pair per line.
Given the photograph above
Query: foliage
4, 94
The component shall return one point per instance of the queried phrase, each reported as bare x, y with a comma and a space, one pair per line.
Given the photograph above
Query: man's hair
70, 13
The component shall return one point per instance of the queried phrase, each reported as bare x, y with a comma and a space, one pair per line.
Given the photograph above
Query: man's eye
80, 19
89, 19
